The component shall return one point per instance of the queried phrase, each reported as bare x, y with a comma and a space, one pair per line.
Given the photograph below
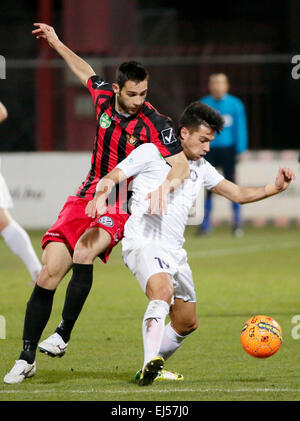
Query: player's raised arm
244, 195
79, 67
3, 112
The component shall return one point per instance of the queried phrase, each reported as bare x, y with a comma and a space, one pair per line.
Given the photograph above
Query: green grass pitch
235, 278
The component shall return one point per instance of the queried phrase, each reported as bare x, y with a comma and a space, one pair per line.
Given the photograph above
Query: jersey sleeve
167, 142
137, 160
212, 177
99, 89
162, 132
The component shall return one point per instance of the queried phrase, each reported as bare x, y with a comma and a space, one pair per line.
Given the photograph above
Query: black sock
28, 352
37, 315
77, 292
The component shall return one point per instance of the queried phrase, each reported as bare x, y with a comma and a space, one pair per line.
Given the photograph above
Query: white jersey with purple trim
149, 170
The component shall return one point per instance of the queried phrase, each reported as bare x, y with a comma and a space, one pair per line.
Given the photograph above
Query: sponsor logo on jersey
168, 136
97, 85
106, 221
53, 234
105, 121
131, 139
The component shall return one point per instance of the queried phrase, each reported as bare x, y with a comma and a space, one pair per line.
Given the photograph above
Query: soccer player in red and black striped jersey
124, 120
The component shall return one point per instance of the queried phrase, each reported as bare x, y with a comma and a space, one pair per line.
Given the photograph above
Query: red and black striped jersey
116, 135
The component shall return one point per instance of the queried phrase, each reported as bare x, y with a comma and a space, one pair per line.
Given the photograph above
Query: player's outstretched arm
3, 112
179, 172
98, 205
79, 67
244, 195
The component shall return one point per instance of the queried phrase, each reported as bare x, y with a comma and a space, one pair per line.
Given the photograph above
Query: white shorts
5, 197
151, 258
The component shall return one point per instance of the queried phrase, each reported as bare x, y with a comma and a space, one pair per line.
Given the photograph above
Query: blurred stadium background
50, 113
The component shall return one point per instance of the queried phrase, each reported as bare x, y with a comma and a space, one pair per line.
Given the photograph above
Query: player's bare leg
19, 242
160, 287
93, 242
57, 261
183, 316
5, 218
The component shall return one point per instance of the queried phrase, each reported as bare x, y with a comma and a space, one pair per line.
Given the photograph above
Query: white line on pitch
204, 390
241, 250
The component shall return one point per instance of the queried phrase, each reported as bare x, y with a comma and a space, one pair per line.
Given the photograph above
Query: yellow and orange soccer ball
261, 336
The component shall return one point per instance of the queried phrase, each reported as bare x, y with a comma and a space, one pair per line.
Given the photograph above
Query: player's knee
194, 324
162, 292
167, 293
52, 272
160, 287
49, 276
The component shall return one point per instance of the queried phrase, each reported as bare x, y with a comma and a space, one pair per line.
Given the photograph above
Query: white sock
171, 341
19, 242
153, 328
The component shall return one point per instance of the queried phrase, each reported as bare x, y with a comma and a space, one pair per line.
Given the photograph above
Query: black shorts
224, 158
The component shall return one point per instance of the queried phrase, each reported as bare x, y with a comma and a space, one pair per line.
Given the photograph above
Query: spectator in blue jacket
228, 145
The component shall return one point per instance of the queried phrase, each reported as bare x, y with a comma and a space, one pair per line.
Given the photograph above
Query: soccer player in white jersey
13, 234
153, 244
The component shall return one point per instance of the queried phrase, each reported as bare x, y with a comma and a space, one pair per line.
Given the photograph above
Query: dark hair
198, 113
130, 70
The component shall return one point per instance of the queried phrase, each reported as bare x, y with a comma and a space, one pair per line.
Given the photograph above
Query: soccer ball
261, 336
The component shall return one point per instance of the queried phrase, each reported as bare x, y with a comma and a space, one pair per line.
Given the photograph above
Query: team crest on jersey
131, 139
168, 136
105, 121
106, 221
193, 175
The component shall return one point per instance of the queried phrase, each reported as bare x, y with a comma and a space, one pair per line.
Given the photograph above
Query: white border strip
201, 390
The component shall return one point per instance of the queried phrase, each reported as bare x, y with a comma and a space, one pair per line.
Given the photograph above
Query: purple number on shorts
162, 263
